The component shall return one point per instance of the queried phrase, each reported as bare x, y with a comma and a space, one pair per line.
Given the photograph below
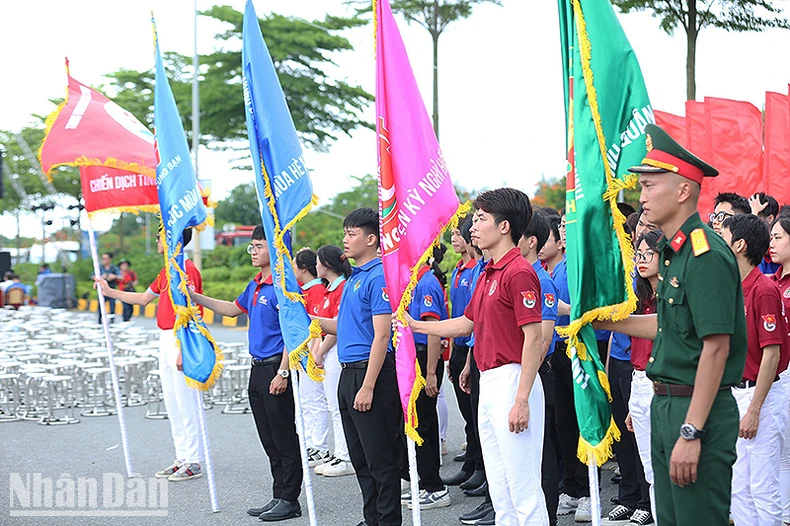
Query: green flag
607, 109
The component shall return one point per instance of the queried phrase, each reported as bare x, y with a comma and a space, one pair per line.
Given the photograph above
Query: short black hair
784, 211
754, 231
625, 209
365, 219
258, 233
306, 259
108, 254
738, 203
549, 211
187, 236
507, 204
773, 205
466, 231
539, 227
554, 227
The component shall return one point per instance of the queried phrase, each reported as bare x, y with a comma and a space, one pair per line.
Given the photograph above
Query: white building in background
51, 252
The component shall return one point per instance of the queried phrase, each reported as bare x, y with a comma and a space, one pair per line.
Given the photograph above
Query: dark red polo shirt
765, 322
784, 287
642, 348
507, 297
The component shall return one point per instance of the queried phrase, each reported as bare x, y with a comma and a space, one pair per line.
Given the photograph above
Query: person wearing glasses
182, 408
270, 389
727, 205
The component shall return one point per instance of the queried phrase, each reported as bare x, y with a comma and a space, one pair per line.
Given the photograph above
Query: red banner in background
674, 125
112, 191
776, 172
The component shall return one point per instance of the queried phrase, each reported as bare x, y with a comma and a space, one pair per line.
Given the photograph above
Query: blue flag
284, 187
181, 205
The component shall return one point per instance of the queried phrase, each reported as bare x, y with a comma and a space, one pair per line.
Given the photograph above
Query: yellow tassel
412, 419
603, 450
604, 380
154, 209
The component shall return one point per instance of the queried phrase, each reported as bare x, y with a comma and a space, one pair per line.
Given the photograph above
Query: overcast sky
501, 95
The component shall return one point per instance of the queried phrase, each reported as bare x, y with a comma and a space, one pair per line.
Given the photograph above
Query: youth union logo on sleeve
384, 294
529, 298
427, 300
769, 322
549, 299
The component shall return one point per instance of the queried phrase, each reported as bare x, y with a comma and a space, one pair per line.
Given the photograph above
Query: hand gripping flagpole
110, 358
212, 489
308, 483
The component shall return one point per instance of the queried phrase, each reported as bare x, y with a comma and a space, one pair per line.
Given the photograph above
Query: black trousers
633, 490
128, 309
428, 428
275, 420
374, 442
550, 470
575, 479
474, 456
474, 398
110, 303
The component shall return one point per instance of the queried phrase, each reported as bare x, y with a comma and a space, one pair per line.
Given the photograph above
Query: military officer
700, 342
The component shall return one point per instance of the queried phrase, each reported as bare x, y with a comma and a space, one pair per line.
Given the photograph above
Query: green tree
434, 16
240, 207
693, 16
322, 107
550, 193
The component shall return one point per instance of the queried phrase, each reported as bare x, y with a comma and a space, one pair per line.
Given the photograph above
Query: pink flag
417, 200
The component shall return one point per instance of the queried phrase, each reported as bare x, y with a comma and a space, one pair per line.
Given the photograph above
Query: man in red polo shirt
761, 399
505, 314
182, 407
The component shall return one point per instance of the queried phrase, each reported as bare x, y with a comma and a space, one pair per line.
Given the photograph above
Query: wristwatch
285, 373
689, 432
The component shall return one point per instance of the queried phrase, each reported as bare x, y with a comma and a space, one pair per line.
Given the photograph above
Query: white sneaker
584, 510
316, 457
319, 469
338, 468
435, 499
567, 504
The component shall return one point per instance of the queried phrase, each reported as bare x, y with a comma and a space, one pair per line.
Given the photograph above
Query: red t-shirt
642, 348
766, 323
165, 317
784, 287
313, 296
331, 304
507, 297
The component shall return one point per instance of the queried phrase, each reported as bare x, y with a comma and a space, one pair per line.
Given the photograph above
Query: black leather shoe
477, 492
488, 520
281, 511
476, 514
477, 478
457, 479
255, 512
460, 458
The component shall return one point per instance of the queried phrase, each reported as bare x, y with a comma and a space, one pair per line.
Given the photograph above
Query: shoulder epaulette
699, 242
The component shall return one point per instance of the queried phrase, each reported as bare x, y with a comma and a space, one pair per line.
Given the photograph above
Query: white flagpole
308, 483
414, 480
212, 489
595, 496
110, 358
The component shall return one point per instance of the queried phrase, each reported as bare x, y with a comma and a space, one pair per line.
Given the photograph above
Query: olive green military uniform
696, 297
699, 294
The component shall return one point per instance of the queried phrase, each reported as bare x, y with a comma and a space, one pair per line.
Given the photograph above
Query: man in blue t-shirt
368, 390
428, 304
531, 243
270, 389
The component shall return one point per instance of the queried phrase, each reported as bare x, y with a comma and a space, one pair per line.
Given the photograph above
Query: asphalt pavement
31, 453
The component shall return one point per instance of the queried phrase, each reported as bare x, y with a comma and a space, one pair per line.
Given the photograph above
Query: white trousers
639, 407
756, 495
315, 413
180, 401
513, 461
331, 381
784, 464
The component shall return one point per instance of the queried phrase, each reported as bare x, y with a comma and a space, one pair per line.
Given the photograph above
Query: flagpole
595, 495
414, 483
110, 354
308, 483
212, 489
197, 253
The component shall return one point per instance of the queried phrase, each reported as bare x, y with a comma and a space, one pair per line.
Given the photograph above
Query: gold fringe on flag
419, 380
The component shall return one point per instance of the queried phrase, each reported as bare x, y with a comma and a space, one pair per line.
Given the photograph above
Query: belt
751, 383
271, 360
362, 364
663, 389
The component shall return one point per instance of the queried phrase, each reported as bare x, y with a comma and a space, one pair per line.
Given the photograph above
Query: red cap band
681, 167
